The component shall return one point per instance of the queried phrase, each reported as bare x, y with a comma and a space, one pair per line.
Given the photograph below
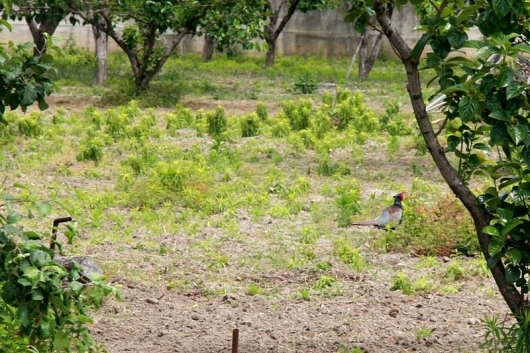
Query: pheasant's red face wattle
402, 196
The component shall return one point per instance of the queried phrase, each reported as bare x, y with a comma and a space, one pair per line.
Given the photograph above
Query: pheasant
390, 215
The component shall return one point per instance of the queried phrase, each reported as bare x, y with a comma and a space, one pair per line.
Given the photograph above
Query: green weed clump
91, 149
217, 122
298, 113
250, 125
351, 110
347, 202
181, 118
349, 255
262, 111
30, 125
305, 84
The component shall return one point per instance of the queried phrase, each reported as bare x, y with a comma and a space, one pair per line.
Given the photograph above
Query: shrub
30, 125
351, 110
348, 202
91, 150
305, 84
262, 111
298, 113
181, 118
250, 125
43, 304
217, 122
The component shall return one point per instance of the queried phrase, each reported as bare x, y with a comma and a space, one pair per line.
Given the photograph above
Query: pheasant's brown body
389, 216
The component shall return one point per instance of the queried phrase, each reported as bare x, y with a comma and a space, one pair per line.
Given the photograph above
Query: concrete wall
314, 33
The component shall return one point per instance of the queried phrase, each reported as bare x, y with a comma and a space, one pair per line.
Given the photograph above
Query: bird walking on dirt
390, 215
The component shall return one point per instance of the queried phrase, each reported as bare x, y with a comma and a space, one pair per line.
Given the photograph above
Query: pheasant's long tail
371, 222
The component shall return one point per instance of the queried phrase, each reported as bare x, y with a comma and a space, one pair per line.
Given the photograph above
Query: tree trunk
363, 54
479, 214
102, 40
209, 46
271, 52
367, 60
37, 33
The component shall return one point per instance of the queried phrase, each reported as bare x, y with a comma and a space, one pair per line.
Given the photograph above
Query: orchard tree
146, 23
42, 17
241, 26
487, 102
279, 13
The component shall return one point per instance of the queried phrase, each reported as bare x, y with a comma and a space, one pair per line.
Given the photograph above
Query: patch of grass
402, 283
424, 332
254, 289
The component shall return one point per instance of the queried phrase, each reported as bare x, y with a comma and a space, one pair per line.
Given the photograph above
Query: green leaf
23, 316
505, 214
518, 133
61, 341
36, 295
526, 155
466, 11
76, 286
512, 273
508, 227
452, 142
495, 247
40, 258
522, 47
502, 7
456, 38
490, 230
467, 107
420, 45
485, 52
514, 255
514, 89
441, 47
13, 217
29, 96
32, 273
44, 208
505, 77
498, 134
32, 235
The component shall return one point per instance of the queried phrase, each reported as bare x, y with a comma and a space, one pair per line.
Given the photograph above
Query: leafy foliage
24, 77
43, 303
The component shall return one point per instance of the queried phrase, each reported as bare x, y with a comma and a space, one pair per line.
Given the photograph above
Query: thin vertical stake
235, 340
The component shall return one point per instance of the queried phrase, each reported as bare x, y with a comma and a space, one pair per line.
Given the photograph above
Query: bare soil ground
365, 314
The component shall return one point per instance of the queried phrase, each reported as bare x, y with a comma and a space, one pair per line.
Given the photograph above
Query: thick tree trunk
271, 53
209, 46
102, 42
479, 214
37, 33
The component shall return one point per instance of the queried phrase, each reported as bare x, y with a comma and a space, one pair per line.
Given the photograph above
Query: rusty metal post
56, 223
235, 340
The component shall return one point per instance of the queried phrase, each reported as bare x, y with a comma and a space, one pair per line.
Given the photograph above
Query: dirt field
368, 315
363, 315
